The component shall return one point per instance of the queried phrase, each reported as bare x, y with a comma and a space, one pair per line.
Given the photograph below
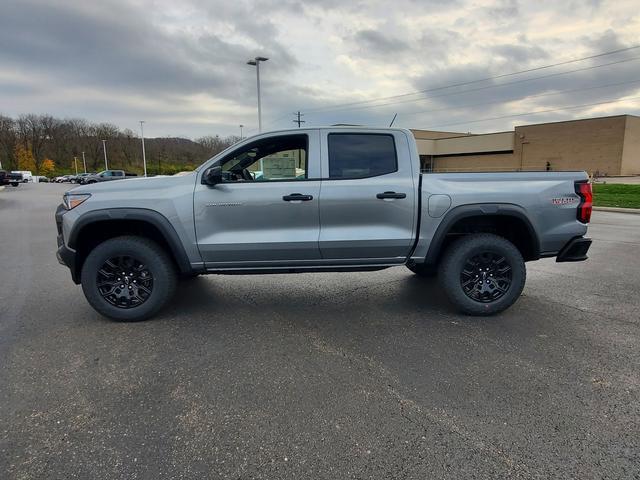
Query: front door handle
297, 197
384, 195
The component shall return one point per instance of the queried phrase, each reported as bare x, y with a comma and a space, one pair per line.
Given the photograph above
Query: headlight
72, 200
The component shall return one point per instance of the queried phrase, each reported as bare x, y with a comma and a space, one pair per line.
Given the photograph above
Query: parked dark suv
8, 178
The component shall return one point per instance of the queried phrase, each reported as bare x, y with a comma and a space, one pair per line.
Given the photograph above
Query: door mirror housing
212, 175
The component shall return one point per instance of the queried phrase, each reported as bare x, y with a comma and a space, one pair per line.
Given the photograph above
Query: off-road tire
156, 262
468, 248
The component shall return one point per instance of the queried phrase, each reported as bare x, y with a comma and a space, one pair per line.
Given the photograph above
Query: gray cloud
519, 54
182, 66
112, 46
374, 43
504, 9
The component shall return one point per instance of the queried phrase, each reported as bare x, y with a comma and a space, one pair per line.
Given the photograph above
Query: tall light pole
84, 162
75, 163
256, 63
104, 149
144, 157
241, 127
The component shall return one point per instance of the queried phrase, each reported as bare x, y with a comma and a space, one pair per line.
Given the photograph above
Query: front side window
270, 159
358, 155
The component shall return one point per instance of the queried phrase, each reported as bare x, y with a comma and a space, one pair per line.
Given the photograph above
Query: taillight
584, 191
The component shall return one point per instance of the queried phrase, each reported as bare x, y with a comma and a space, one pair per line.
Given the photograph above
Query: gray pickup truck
318, 200
104, 176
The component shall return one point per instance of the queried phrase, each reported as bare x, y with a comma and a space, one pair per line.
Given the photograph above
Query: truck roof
333, 127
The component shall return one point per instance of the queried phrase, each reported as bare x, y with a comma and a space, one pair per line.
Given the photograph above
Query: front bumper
575, 250
65, 255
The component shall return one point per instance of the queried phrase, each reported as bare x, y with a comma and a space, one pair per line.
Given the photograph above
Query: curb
635, 211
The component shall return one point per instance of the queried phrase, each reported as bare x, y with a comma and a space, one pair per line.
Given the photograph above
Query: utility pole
298, 120
84, 162
104, 149
144, 157
75, 163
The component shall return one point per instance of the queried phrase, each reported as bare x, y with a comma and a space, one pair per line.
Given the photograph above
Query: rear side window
358, 155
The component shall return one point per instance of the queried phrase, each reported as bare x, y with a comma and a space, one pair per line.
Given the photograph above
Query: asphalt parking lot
351, 375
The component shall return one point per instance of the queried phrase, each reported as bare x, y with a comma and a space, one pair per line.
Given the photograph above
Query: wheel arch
507, 220
93, 228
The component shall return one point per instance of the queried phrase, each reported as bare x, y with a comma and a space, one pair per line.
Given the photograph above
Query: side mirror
212, 175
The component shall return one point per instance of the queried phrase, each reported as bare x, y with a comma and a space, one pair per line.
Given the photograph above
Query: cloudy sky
181, 65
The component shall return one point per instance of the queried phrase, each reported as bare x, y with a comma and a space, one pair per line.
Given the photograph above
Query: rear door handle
297, 197
384, 195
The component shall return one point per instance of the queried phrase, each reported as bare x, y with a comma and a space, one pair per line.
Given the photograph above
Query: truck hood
135, 184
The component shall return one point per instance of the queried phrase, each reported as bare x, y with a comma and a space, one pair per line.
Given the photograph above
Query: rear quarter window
358, 155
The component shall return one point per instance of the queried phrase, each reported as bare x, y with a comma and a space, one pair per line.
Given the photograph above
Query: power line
470, 82
569, 107
571, 90
487, 87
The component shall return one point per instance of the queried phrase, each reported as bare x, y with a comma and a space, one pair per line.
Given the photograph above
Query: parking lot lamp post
241, 127
104, 149
256, 63
84, 163
75, 163
144, 157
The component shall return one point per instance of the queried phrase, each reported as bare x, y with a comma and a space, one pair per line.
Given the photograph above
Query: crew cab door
368, 205
265, 211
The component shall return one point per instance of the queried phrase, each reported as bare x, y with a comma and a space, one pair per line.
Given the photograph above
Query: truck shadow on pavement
208, 298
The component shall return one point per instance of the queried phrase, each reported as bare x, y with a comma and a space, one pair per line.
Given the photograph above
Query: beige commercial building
601, 146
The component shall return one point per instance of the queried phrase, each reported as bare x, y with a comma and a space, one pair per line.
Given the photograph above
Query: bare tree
62, 139
215, 144
33, 133
8, 138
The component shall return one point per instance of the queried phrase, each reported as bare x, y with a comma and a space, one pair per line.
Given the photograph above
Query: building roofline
439, 131
469, 135
576, 120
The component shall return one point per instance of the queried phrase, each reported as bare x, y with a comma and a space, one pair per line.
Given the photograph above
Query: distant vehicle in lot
327, 199
78, 178
105, 176
63, 179
42, 179
10, 178
27, 176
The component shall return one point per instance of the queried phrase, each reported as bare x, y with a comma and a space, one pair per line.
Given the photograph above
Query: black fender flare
479, 210
151, 217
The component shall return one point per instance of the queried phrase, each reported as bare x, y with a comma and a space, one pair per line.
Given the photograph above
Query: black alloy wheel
486, 277
482, 273
124, 281
128, 278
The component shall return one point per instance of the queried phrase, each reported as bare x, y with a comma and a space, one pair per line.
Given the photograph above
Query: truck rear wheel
128, 278
482, 274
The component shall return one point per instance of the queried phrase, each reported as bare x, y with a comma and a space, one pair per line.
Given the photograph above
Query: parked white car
27, 176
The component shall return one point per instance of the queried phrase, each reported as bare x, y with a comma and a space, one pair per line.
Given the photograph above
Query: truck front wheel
482, 274
128, 278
